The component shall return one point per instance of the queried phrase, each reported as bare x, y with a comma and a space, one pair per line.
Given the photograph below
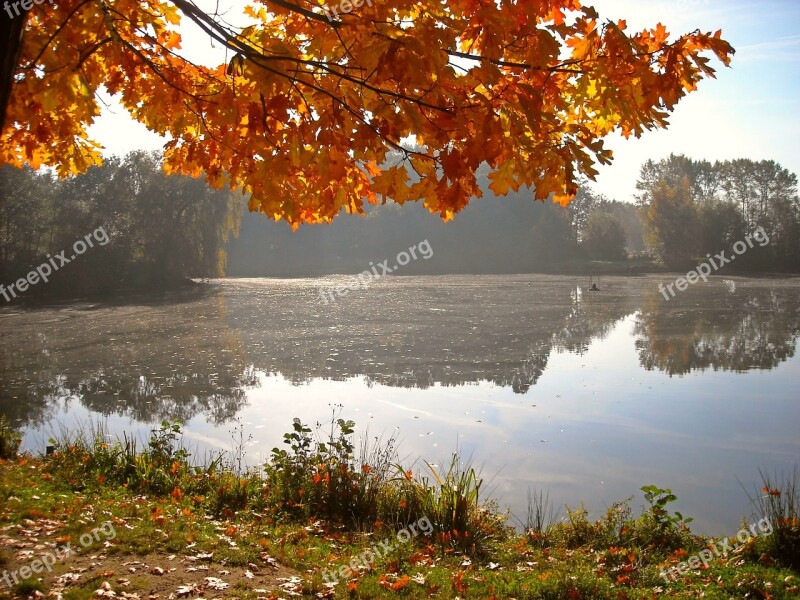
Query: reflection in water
418, 332
167, 360
741, 328
198, 353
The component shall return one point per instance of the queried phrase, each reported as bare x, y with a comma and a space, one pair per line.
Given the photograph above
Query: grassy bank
324, 518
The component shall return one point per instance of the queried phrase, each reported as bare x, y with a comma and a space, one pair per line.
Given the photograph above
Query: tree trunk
10, 46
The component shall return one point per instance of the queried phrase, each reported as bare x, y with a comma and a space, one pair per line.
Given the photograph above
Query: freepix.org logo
48, 559
366, 560
26, 5
367, 278
54, 263
718, 549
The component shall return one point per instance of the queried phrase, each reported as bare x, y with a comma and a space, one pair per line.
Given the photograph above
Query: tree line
164, 229
161, 229
684, 210
509, 234
691, 208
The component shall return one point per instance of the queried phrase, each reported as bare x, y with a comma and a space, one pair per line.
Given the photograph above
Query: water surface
586, 395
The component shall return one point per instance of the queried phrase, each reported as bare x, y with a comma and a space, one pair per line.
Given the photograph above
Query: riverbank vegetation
186, 526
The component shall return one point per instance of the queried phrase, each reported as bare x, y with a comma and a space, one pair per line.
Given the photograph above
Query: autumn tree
303, 115
705, 179
670, 224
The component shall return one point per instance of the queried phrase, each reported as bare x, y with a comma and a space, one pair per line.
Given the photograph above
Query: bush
327, 478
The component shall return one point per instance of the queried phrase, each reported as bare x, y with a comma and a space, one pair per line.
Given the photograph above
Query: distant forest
684, 209
164, 229
511, 234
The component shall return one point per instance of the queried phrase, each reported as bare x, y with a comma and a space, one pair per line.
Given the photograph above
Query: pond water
545, 385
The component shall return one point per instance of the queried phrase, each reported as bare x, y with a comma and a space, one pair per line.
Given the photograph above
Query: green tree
579, 211
161, 229
721, 225
604, 237
671, 224
705, 179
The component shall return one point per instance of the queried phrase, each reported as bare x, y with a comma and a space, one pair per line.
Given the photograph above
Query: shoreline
42, 300
323, 520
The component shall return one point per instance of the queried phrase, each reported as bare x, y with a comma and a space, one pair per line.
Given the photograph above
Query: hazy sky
749, 111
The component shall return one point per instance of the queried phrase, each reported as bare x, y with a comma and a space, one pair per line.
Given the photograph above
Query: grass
320, 502
10, 440
778, 505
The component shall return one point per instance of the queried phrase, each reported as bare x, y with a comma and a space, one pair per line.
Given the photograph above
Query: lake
545, 385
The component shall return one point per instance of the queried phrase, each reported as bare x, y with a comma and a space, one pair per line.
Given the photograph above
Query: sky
752, 109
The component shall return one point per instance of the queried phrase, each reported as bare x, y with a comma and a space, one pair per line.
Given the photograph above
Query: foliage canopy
399, 99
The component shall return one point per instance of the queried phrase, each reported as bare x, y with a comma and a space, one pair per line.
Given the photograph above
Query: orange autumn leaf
395, 586
457, 583
157, 515
312, 116
401, 583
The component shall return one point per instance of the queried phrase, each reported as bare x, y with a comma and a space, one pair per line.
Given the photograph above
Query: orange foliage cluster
306, 114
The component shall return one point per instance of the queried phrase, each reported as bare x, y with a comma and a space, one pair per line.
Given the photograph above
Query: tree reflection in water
197, 353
